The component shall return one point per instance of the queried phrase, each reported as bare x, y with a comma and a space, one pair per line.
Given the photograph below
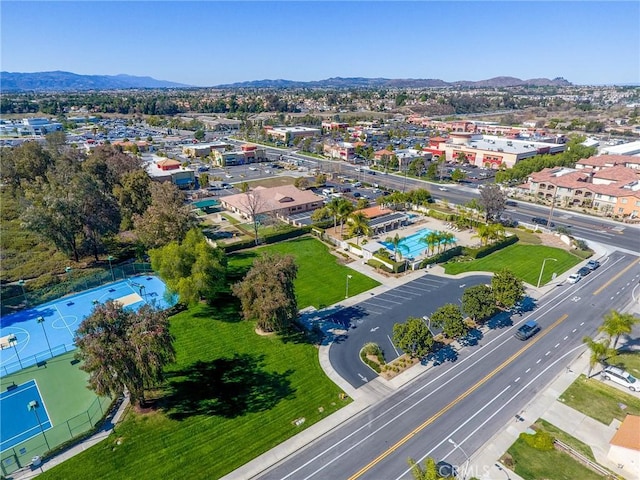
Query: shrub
377, 264
541, 440
442, 257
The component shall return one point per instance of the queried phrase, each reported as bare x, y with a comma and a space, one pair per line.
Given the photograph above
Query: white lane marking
517, 380
394, 347
574, 330
398, 296
566, 337
557, 345
581, 323
539, 360
527, 370
509, 400
368, 302
547, 353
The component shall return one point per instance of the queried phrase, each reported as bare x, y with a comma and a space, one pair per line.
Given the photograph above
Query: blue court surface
22, 423
26, 341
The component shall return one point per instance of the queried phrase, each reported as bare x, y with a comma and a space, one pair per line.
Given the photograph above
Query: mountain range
67, 81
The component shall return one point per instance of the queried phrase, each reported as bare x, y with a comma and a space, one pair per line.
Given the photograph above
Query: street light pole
499, 467
33, 406
346, 293
542, 270
428, 320
467, 461
110, 258
40, 320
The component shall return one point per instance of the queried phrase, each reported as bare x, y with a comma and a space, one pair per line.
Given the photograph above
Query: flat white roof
631, 148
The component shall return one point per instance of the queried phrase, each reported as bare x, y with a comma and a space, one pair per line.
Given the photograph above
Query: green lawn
525, 261
599, 400
630, 361
321, 279
533, 464
231, 396
564, 437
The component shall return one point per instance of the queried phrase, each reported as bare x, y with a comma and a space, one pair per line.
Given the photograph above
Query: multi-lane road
468, 400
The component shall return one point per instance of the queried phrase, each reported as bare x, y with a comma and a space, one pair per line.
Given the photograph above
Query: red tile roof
628, 434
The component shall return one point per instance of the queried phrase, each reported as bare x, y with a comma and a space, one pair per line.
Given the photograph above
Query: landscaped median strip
462, 396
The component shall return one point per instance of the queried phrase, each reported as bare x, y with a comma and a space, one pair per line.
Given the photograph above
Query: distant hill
64, 81
359, 82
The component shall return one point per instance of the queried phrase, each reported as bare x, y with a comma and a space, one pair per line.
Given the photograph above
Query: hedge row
267, 239
488, 249
443, 257
446, 217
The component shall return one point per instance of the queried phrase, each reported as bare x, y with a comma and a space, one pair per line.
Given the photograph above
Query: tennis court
32, 336
25, 414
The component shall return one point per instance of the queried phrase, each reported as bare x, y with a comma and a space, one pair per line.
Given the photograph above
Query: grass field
231, 396
564, 437
533, 464
599, 400
525, 261
321, 279
630, 361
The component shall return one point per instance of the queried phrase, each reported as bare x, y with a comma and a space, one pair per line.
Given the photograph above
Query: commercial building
631, 148
289, 133
168, 170
342, 150
195, 150
281, 201
246, 154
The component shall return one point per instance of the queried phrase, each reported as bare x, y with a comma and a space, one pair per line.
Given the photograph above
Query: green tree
429, 472
267, 292
449, 318
599, 351
358, 224
478, 302
301, 183
133, 196
191, 268
345, 209
320, 179
203, 180
458, 175
122, 349
167, 218
199, 134
362, 203
616, 324
413, 337
507, 288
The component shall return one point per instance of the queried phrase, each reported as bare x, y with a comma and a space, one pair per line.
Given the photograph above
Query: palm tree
333, 207
345, 209
616, 324
600, 352
448, 239
495, 232
359, 225
430, 239
483, 233
398, 244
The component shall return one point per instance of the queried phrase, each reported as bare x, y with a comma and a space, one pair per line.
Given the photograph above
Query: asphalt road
373, 320
471, 397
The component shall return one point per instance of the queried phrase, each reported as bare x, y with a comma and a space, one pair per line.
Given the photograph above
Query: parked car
592, 264
584, 271
528, 330
619, 376
574, 278
511, 203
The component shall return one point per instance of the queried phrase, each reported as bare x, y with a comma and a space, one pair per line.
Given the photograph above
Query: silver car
620, 377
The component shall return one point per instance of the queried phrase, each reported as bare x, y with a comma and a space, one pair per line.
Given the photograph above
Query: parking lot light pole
428, 320
13, 341
467, 461
346, 293
542, 270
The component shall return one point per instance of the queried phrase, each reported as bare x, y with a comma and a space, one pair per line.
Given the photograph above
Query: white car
573, 278
443, 189
620, 377
253, 169
228, 176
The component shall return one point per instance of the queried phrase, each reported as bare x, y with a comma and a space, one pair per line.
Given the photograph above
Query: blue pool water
411, 247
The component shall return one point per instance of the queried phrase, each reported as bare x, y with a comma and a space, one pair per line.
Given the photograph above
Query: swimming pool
411, 246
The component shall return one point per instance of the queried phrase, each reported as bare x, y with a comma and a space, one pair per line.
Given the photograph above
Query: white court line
43, 404
63, 320
20, 391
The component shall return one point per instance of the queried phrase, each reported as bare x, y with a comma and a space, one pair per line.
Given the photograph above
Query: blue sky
206, 43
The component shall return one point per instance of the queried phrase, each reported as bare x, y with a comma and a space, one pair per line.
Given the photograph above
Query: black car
528, 330
542, 221
584, 271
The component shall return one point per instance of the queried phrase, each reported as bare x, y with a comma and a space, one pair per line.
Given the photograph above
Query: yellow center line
633, 264
462, 396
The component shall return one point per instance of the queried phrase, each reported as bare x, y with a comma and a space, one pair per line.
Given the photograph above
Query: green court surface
71, 406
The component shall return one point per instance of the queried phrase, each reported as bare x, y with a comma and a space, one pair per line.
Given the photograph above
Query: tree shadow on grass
225, 308
226, 387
